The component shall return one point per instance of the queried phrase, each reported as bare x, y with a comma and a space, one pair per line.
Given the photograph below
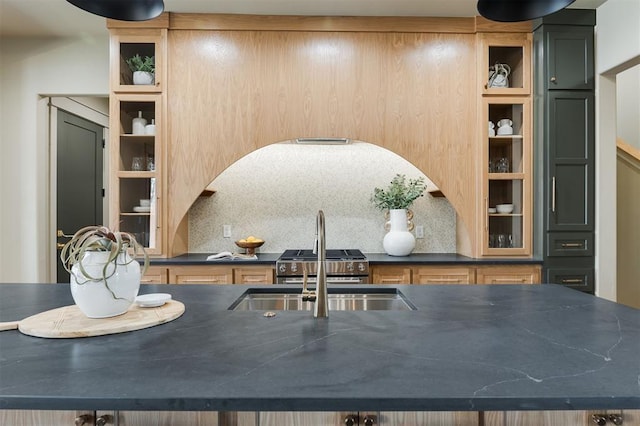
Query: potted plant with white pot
104, 272
143, 69
397, 198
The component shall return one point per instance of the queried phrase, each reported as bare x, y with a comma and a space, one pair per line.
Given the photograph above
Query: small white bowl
492, 210
145, 203
504, 208
152, 300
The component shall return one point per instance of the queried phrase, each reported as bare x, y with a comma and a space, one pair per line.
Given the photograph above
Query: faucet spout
321, 308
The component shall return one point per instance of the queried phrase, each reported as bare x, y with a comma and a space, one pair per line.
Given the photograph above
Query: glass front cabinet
506, 188
505, 170
137, 131
136, 158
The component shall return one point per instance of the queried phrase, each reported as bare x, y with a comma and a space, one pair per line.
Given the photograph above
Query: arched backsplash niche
275, 192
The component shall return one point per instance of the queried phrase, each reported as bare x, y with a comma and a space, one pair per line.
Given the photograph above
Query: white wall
618, 48
31, 68
628, 106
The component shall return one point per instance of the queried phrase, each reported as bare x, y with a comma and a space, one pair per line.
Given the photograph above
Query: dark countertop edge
374, 259
320, 404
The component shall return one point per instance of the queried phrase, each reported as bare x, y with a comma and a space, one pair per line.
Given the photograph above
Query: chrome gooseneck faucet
319, 295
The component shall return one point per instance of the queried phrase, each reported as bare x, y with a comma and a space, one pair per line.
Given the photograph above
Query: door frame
82, 107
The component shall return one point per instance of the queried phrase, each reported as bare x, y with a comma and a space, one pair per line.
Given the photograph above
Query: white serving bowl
504, 208
145, 203
492, 210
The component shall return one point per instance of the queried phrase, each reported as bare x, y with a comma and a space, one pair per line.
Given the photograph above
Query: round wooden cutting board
69, 321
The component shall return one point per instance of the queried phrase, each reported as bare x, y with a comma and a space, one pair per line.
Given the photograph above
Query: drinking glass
137, 164
503, 165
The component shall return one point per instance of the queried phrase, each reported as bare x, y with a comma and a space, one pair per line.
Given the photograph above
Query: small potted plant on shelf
143, 69
104, 272
397, 199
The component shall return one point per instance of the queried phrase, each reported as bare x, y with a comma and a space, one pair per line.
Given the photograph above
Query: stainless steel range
342, 266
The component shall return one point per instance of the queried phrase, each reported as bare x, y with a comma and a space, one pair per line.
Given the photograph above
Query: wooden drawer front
155, 275
444, 275
578, 278
390, 275
201, 275
508, 275
253, 275
570, 244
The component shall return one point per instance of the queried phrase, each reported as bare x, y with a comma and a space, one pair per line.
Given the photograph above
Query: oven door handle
330, 280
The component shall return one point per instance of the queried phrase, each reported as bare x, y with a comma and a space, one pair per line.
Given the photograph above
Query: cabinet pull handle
553, 194
553, 79
567, 245
104, 420
486, 216
510, 280
444, 280
83, 419
572, 281
187, 280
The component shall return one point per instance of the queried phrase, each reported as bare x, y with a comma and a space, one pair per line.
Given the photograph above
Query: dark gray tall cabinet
564, 147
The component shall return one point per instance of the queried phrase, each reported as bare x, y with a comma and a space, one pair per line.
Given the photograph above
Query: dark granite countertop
201, 259
473, 348
374, 259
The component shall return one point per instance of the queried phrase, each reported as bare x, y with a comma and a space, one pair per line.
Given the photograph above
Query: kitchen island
475, 348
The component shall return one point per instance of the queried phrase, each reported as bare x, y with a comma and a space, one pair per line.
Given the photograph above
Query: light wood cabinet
444, 275
506, 157
506, 177
253, 275
291, 418
221, 274
512, 49
510, 274
190, 418
382, 274
136, 169
455, 274
431, 418
198, 274
137, 153
155, 275
128, 42
44, 417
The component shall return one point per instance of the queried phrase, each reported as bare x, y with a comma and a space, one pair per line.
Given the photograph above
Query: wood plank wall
232, 91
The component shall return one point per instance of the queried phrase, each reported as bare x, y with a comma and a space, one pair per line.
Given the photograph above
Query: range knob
361, 267
282, 268
350, 266
294, 267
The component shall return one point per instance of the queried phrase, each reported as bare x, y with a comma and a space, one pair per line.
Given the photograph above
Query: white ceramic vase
100, 299
142, 77
398, 241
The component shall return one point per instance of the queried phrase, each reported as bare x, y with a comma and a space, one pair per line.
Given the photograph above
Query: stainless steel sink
268, 299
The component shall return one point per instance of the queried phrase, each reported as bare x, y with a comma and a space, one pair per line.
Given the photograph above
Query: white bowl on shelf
504, 208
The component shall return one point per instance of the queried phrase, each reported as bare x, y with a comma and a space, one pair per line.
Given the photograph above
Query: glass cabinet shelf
506, 183
512, 50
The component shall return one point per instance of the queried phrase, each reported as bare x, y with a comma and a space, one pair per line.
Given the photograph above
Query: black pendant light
519, 10
122, 10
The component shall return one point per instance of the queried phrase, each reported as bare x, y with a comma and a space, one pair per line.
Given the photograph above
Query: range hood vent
323, 141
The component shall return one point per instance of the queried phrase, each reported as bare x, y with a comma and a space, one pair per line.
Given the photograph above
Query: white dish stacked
504, 208
144, 207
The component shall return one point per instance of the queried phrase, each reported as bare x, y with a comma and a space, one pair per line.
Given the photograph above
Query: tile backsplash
274, 193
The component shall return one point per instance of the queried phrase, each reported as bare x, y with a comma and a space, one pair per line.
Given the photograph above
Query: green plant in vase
400, 194
104, 270
143, 68
396, 199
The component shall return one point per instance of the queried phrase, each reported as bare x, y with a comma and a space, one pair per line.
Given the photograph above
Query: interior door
79, 178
